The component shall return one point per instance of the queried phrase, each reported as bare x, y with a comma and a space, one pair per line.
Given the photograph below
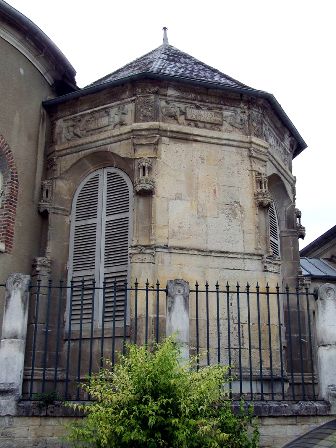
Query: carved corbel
301, 230
46, 196
262, 195
144, 184
41, 267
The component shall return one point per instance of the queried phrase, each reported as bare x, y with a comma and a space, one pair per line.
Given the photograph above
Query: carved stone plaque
207, 116
145, 108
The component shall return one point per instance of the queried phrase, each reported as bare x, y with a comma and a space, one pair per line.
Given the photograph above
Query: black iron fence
265, 335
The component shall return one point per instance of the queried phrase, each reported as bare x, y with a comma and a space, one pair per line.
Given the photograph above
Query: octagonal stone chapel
164, 169
168, 168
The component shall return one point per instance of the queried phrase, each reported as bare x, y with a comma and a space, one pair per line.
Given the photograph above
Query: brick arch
9, 202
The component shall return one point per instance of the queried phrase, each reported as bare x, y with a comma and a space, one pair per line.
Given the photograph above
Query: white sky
285, 47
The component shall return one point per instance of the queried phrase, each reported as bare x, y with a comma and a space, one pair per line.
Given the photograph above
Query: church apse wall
199, 212
201, 168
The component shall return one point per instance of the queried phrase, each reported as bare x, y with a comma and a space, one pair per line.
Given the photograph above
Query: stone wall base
49, 432
276, 432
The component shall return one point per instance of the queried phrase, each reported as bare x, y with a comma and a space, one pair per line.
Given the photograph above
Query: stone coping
261, 409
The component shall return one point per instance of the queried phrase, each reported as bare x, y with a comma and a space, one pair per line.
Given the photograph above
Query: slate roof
323, 239
318, 268
322, 437
168, 61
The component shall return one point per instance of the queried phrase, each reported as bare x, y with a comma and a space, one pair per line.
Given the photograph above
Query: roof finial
165, 36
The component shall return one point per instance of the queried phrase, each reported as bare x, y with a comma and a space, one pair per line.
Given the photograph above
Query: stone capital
17, 281
327, 292
178, 287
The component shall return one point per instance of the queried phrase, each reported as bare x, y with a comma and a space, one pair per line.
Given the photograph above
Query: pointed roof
167, 61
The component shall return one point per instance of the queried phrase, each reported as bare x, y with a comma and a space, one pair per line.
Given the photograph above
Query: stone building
205, 163
163, 169
32, 70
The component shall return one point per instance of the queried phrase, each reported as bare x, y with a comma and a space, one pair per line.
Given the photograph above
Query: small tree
149, 400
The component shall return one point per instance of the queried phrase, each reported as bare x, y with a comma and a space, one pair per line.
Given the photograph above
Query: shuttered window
99, 245
274, 234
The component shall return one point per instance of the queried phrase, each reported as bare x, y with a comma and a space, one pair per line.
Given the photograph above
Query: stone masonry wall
49, 432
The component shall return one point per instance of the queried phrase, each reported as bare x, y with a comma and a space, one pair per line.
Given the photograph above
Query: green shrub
148, 400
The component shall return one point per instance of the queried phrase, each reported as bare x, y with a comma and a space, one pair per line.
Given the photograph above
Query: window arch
274, 234
100, 236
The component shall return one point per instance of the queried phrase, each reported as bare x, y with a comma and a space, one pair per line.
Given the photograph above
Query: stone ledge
38, 409
288, 408
261, 409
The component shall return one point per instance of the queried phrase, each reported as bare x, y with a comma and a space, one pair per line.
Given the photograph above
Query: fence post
326, 338
13, 341
177, 319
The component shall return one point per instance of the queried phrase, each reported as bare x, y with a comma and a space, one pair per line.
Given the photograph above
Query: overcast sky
285, 47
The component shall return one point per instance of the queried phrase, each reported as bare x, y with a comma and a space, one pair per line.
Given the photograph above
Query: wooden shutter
84, 245
274, 230
116, 227
99, 244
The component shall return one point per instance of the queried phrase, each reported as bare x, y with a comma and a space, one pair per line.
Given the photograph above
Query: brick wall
9, 201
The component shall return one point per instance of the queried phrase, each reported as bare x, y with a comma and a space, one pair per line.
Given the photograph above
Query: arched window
274, 234
99, 244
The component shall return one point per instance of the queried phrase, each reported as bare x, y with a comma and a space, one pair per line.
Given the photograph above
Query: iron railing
265, 335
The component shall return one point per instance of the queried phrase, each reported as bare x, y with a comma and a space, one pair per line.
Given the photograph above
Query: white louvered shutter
116, 228
274, 230
99, 245
84, 245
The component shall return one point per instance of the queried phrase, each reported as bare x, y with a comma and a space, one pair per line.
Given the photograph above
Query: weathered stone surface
177, 314
13, 342
48, 432
326, 337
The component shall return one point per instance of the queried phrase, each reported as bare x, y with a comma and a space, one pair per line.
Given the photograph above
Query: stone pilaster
326, 339
13, 342
177, 321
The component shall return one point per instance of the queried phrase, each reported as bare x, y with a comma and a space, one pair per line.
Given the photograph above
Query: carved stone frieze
173, 112
235, 119
145, 108
195, 116
256, 121
279, 147
204, 115
92, 122
145, 89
